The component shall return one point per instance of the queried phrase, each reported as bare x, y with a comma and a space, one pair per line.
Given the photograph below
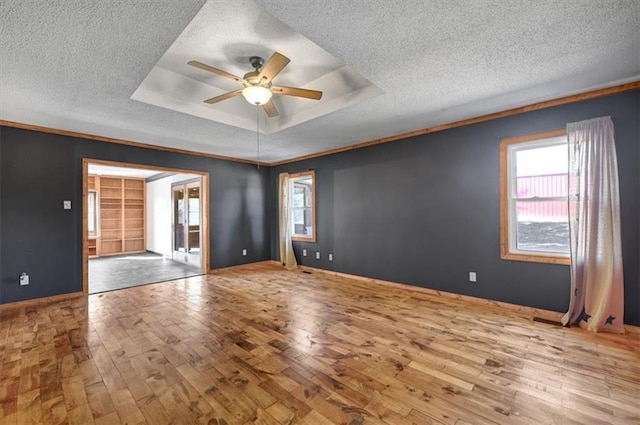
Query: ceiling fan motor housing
256, 62
251, 77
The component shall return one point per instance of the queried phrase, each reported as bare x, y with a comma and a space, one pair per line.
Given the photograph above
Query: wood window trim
312, 174
505, 252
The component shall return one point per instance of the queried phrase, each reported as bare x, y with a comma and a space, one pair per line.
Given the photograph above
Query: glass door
192, 242
187, 222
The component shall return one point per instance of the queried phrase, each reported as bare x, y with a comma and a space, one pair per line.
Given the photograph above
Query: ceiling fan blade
276, 63
217, 71
270, 109
298, 92
222, 97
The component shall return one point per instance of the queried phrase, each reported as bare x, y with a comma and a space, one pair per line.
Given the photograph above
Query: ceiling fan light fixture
257, 95
258, 87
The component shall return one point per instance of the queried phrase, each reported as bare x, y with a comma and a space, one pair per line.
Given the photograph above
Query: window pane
302, 221
542, 226
194, 211
542, 186
194, 219
308, 222
301, 202
308, 199
298, 195
542, 172
298, 216
92, 216
178, 219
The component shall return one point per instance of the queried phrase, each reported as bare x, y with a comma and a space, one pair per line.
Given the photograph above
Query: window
534, 198
302, 196
92, 216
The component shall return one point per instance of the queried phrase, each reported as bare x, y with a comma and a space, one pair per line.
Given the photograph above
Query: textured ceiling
74, 65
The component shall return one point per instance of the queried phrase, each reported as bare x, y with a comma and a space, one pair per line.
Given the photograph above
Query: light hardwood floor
265, 346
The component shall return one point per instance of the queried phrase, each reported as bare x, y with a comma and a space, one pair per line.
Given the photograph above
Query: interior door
187, 223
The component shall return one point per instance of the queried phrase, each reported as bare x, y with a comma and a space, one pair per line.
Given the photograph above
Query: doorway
187, 235
129, 231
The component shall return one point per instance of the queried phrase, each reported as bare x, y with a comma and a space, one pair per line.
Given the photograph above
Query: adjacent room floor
124, 271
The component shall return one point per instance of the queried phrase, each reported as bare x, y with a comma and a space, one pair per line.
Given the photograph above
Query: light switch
66, 205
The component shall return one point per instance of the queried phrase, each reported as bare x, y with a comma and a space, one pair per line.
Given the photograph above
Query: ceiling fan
258, 87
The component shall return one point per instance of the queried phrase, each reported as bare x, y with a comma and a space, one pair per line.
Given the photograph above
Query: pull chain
258, 135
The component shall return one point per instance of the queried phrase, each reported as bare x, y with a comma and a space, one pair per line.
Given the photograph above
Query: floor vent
306, 271
547, 321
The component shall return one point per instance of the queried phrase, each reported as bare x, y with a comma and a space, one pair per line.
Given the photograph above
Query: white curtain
287, 256
597, 297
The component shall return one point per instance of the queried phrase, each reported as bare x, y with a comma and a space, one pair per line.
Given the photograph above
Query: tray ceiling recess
226, 35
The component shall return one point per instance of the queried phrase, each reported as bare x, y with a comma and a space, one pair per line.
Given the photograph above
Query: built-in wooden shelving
92, 247
122, 215
134, 215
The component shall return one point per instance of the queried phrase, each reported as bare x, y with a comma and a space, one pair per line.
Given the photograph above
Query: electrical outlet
244, 252
472, 276
304, 252
330, 257
317, 255
24, 279
66, 205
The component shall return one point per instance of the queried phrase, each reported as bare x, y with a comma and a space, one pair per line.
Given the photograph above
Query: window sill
535, 258
303, 238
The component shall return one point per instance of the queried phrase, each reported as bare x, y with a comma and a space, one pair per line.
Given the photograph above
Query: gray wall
41, 170
422, 211
426, 210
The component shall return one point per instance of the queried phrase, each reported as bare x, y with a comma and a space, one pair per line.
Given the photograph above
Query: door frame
204, 175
